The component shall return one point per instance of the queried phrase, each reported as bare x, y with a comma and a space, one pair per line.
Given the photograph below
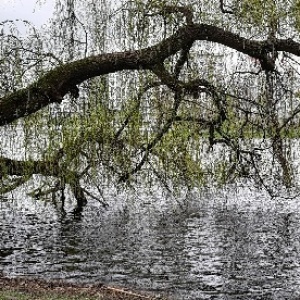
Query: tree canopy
176, 93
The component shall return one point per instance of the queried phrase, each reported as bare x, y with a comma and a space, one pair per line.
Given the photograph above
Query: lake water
232, 243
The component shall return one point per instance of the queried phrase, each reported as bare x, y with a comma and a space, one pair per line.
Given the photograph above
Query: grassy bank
33, 289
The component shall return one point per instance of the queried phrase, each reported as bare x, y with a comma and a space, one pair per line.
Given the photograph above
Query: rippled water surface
229, 244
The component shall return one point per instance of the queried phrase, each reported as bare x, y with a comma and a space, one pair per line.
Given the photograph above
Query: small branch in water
104, 204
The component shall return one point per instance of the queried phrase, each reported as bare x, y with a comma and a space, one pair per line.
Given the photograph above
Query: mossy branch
63, 79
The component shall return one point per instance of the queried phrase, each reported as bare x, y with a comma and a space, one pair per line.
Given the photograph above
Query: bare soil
38, 288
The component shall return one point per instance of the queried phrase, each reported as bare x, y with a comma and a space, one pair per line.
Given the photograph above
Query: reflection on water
235, 245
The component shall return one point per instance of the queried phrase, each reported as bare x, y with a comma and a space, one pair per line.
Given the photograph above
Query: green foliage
295, 14
178, 154
269, 16
261, 13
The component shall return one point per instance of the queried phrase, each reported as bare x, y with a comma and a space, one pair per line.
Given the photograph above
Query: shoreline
38, 287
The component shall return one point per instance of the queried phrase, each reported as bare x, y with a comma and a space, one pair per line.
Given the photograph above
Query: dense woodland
168, 93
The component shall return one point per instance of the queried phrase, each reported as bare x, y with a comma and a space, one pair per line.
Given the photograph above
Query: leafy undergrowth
35, 289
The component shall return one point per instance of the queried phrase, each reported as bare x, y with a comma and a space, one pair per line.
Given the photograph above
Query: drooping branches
25, 169
171, 99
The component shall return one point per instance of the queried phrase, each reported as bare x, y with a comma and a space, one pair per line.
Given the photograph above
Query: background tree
176, 93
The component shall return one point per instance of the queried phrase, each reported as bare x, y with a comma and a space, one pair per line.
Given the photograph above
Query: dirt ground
38, 288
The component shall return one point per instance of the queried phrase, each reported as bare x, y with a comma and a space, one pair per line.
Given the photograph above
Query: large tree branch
62, 80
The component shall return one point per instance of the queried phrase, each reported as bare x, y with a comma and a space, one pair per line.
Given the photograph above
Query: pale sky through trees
35, 11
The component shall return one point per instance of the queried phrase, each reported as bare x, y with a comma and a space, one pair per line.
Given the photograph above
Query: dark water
234, 244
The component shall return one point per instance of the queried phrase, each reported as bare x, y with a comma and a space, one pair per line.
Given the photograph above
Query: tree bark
64, 79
